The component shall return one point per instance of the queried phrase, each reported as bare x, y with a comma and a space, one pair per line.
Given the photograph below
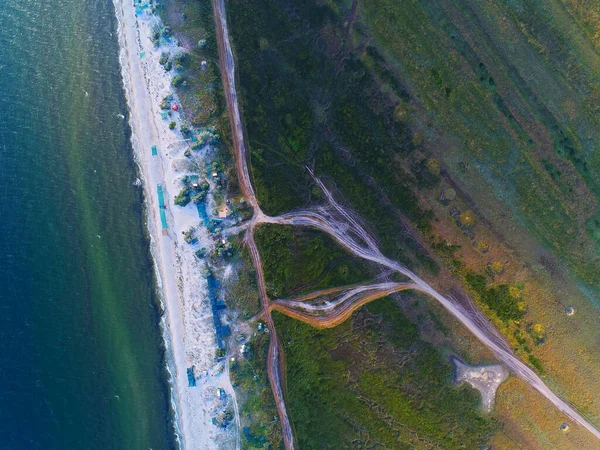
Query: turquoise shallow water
81, 353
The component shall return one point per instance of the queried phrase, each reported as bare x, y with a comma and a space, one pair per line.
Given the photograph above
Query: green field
372, 382
392, 104
299, 261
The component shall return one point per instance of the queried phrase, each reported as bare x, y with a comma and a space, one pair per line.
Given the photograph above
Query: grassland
393, 104
373, 382
258, 416
299, 261
514, 95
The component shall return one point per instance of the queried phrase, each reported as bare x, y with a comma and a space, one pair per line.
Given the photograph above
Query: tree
180, 57
183, 198
467, 219
178, 81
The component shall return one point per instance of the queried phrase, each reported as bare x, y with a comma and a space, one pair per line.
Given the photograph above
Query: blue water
81, 354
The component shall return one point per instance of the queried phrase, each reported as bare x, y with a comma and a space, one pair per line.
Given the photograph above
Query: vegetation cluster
374, 382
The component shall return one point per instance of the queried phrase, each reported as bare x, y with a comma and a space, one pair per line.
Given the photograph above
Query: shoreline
186, 324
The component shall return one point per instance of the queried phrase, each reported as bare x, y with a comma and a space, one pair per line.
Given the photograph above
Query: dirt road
274, 359
331, 314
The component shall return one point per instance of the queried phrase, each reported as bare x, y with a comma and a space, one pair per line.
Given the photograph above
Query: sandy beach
188, 323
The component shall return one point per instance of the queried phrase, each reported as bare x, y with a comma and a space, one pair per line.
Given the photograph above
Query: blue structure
191, 377
210, 224
218, 306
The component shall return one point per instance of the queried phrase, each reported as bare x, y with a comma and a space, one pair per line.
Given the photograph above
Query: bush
165, 103
500, 298
172, 125
467, 219
183, 198
177, 81
180, 57
199, 197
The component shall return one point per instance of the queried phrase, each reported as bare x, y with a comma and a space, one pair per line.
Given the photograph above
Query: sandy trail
331, 314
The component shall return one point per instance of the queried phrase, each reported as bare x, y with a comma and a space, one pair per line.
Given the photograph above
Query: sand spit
188, 324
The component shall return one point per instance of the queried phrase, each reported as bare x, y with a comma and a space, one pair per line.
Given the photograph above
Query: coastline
187, 323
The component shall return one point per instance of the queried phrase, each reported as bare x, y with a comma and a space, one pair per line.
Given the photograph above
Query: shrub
177, 81
497, 267
483, 245
165, 103
180, 57
467, 219
172, 125
498, 298
199, 197
434, 166
183, 198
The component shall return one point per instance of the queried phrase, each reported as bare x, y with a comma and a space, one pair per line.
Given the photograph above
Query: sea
82, 359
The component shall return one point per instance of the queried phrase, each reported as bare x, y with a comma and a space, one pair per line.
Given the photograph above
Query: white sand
189, 331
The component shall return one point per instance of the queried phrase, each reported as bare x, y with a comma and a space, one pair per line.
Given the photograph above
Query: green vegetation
183, 198
300, 260
533, 78
172, 125
347, 389
381, 111
258, 413
201, 97
242, 293
499, 298
178, 81
315, 102
497, 100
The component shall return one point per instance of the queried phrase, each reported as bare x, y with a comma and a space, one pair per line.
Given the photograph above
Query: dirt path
274, 359
333, 314
236, 408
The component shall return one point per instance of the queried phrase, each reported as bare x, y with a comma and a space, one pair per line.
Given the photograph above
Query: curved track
334, 313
